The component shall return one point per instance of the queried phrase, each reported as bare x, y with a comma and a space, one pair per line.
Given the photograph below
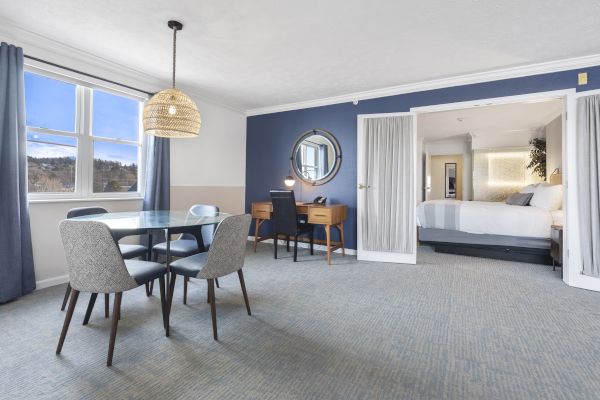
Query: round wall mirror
316, 157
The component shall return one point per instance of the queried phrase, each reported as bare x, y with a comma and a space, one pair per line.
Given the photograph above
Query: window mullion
86, 142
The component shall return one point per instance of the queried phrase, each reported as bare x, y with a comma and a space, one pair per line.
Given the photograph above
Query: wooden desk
327, 215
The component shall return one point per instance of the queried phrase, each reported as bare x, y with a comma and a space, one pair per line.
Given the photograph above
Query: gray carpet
450, 327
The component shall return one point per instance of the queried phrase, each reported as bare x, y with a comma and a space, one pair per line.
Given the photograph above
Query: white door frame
401, 258
571, 256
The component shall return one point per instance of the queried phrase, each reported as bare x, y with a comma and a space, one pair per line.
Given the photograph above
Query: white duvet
485, 218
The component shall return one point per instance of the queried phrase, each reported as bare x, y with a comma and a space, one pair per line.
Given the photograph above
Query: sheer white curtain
388, 221
588, 188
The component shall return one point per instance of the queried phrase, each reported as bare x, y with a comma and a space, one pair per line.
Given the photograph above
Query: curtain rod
88, 75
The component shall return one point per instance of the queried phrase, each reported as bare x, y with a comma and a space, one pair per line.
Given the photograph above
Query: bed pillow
547, 197
519, 199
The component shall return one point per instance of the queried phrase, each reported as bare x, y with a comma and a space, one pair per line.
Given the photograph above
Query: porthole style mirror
316, 157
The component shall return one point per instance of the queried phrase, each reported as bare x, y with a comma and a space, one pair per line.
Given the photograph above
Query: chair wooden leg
186, 279
63, 334
275, 240
243, 285
113, 328
66, 298
213, 308
287, 244
295, 248
151, 287
312, 244
147, 286
163, 300
90, 307
217, 283
106, 304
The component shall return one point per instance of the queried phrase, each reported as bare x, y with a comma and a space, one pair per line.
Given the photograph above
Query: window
82, 141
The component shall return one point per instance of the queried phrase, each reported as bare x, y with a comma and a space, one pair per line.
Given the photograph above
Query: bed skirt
511, 248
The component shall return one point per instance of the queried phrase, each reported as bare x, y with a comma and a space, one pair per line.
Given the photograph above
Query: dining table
163, 223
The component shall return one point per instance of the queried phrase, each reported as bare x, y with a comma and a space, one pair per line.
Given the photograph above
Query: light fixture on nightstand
171, 113
555, 177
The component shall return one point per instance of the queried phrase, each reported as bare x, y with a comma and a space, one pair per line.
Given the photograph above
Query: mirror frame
336, 164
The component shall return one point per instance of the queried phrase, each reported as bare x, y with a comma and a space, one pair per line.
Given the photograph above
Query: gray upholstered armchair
96, 265
225, 256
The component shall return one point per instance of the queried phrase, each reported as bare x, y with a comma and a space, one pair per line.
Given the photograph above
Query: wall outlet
582, 78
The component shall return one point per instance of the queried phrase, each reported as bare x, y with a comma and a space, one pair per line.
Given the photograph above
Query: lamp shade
171, 113
289, 181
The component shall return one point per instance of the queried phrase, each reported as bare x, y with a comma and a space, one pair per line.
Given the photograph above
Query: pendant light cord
174, 53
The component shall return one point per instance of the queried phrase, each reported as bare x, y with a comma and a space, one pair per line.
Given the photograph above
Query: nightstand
556, 245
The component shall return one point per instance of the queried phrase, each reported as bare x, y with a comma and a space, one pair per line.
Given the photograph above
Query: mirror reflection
316, 157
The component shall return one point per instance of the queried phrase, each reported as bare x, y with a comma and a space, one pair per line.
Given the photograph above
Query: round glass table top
142, 220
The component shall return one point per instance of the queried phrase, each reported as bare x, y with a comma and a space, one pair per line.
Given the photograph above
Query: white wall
210, 168
554, 146
516, 138
455, 146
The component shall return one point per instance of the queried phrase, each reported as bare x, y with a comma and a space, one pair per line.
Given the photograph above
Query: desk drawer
262, 211
317, 215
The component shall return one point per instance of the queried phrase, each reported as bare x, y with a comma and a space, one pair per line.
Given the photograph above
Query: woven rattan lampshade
171, 113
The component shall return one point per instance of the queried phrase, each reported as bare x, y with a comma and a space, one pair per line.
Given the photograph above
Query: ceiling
251, 54
488, 120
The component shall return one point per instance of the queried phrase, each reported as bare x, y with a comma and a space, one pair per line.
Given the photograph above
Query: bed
487, 229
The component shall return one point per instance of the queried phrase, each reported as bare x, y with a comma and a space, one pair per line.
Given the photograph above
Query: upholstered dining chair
188, 244
225, 256
96, 265
285, 221
127, 250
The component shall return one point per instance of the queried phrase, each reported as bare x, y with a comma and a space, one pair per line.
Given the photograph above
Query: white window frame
84, 175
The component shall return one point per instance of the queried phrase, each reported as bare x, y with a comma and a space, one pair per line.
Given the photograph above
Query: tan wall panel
229, 199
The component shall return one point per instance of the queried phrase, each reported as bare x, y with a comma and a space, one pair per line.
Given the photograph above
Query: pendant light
171, 113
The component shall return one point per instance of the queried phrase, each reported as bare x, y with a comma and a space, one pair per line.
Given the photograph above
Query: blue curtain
17, 276
158, 179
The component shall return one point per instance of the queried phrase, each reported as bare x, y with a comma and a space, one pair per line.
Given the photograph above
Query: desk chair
96, 265
285, 221
127, 250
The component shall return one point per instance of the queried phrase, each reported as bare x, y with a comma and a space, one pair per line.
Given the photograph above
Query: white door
386, 195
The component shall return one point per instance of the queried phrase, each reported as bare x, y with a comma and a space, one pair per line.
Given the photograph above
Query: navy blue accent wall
271, 136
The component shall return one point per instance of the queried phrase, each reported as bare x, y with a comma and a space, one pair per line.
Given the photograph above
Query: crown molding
459, 80
52, 50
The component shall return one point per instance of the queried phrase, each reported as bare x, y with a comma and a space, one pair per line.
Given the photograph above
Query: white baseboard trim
45, 283
320, 247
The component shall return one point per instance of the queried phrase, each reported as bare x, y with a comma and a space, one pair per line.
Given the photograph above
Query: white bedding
484, 217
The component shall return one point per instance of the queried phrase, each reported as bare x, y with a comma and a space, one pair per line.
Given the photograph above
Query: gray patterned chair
96, 265
226, 256
128, 250
188, 244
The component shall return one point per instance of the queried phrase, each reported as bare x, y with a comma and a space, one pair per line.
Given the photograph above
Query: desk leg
257, 223
328, 235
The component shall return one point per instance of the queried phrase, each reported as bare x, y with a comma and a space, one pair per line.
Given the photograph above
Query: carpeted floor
450, 327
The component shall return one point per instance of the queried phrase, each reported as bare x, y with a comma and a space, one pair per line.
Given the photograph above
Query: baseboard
303, 245
45, 283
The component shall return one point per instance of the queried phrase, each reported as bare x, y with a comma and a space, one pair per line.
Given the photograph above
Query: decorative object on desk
171, 113
555, 177
538, 157
316, 157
